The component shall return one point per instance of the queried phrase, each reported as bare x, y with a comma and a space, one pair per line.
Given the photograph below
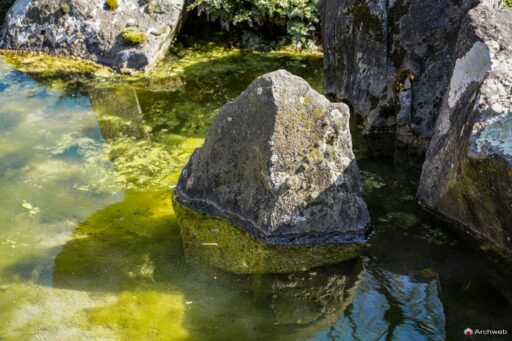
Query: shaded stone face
278, 163
91, 30
392, 60
467, 175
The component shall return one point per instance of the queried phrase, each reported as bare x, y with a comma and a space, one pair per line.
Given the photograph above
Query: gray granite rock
278, 164
467, 175
392, 60
89, 29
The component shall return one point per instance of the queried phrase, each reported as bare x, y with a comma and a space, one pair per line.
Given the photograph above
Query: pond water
90, 248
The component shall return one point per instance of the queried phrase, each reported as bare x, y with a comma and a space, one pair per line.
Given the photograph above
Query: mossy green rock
215, 242
121, 34
134, 36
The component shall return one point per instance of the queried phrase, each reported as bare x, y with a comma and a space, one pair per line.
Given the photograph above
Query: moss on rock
112, 4
53, 66
134, 36
214, 242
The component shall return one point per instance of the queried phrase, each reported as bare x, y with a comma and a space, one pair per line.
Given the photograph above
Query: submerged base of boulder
215, 242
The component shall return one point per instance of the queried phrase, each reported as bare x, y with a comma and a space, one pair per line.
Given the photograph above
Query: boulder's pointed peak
278, 163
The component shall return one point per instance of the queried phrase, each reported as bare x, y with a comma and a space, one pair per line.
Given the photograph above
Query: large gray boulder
392, 60
278, 164
89, 29
467, 175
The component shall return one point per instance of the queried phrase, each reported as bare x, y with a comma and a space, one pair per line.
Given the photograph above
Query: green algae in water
121, 246
142, 316
219, 244
99, 262
56, 67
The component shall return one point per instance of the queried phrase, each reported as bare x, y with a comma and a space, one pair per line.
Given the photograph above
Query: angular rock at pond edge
467, 175
278, 164
89, 29
392, 60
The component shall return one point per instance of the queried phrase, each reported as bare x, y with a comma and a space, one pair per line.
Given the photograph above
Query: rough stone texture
392, 60
278, 163
92, 31
467, 175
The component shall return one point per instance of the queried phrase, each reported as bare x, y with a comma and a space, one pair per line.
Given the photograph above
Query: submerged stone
467, 175
278, 164
217, 243
91, 30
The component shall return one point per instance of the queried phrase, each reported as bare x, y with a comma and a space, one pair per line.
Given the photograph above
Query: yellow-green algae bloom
217, 243
54, 66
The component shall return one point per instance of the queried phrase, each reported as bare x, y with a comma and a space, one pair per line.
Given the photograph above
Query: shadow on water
134, 247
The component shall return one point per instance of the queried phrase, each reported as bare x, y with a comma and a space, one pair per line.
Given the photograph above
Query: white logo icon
468, 332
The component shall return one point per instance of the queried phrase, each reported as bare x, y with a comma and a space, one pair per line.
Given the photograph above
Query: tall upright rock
128, 34
467, 175
278, 164
392, 60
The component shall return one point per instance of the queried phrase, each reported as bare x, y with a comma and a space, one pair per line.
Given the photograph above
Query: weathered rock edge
278, 164
392, 60
89, 30
467, 174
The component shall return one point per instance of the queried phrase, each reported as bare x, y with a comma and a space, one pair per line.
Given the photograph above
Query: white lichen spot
336, 115
471, 68
494, 136
229, 119
493, 46
259, 91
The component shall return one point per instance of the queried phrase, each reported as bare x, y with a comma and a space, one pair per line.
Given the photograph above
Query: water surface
90, 248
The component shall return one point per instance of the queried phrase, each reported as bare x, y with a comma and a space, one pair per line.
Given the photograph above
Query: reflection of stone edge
215, 242
349, 237
496, 255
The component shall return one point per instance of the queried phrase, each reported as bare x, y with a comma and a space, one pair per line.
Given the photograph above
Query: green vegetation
112, 4
257, 21
508, 3
65, 8
144, 316
134, 36
55, 67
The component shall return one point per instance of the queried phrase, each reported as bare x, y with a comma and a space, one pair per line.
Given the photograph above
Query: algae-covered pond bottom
90, 247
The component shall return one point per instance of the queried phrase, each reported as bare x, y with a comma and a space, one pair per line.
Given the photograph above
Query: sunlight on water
90, 247
52, 159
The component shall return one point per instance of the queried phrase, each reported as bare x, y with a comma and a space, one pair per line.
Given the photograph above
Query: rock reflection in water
315, 296
119, 112
389, 306
303, 302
